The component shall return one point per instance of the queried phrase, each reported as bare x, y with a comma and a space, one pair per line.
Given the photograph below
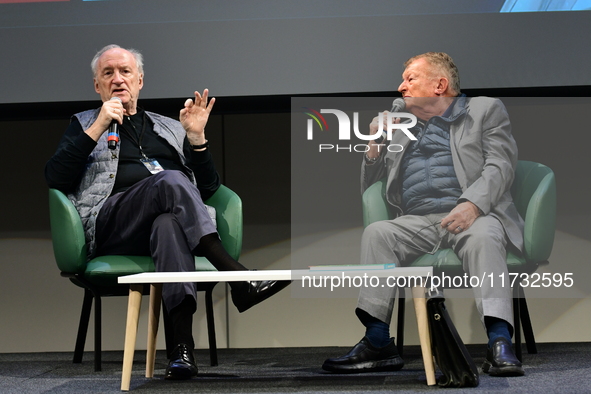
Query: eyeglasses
422, 244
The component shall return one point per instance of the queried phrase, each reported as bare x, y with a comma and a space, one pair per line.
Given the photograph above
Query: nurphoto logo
344, 129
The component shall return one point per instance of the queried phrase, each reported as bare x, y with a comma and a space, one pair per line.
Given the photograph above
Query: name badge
152, 165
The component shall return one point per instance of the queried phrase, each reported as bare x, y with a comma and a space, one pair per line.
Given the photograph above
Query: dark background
251, 143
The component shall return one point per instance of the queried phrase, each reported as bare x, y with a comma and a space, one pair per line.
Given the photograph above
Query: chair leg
400, 320
213, 351
83, 326
528, 332
517, 322
153, 318
97, 332
133, 314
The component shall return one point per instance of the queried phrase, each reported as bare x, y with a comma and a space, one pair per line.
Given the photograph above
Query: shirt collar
455, 109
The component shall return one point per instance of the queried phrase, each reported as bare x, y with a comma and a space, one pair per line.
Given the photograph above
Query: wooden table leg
133, 315
153, 318
420, 303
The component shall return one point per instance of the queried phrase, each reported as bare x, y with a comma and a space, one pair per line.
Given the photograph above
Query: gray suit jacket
484, 156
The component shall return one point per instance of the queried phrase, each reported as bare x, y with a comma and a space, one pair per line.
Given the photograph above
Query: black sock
181, 318
212, 249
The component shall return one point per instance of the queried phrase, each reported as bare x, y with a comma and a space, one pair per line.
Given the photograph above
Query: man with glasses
450, 188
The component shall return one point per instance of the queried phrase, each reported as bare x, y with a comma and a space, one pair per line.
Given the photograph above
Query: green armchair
98, 276
534, 195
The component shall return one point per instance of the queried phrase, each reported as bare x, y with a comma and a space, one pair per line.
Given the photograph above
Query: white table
156, 279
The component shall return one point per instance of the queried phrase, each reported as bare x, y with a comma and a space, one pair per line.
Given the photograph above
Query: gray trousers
481, 248
162, 216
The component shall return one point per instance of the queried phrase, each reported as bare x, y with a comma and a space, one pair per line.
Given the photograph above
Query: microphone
398, 105
113, 134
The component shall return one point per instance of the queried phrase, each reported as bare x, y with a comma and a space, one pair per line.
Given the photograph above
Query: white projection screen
279, 47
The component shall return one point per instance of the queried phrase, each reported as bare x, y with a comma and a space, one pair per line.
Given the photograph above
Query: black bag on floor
449, 351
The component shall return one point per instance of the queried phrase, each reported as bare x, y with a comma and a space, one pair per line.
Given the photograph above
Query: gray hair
139, 58
444, 63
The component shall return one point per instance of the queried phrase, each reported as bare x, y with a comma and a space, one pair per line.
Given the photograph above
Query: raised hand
194, 117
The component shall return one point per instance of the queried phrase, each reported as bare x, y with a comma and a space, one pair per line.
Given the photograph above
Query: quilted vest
101, 168
429, 181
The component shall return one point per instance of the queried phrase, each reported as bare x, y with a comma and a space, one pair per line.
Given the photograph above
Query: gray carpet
564, 368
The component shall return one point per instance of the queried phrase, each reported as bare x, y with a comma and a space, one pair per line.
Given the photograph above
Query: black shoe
364, 357
182, 364
501, 360
247, 294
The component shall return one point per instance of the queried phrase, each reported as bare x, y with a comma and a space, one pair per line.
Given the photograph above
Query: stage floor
558, 367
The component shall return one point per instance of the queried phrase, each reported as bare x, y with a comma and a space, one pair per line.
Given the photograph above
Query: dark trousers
162, 216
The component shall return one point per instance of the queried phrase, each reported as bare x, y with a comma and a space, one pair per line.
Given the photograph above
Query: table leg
153, 318
133, 314
420, 303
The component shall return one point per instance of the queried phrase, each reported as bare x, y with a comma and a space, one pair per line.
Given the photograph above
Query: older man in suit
450, 188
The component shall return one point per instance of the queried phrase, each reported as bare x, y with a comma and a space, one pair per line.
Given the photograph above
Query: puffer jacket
429, 181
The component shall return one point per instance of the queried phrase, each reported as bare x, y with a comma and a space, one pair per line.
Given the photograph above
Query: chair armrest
375, 207
69, 243
228, 207
540, 221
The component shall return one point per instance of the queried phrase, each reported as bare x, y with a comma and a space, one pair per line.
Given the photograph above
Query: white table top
237, 276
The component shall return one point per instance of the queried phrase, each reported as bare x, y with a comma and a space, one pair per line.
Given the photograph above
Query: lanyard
132, 136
